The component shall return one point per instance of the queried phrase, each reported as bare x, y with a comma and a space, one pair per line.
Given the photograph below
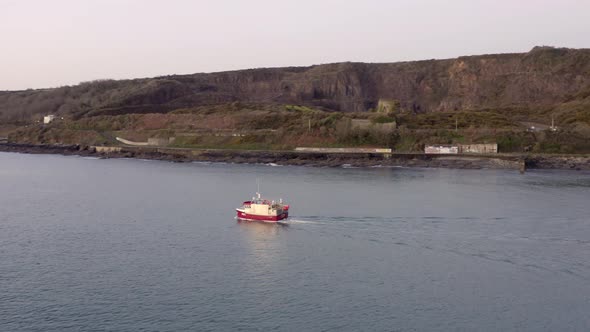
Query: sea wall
343, 150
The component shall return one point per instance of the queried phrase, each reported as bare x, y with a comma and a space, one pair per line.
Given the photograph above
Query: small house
48, 118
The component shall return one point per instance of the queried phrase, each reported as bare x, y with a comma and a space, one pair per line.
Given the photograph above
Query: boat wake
346, 220
320, 220
300, 221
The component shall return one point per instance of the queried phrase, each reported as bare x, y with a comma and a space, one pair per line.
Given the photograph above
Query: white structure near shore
441, 149
478, 148
343, 150
48, 118
461, 148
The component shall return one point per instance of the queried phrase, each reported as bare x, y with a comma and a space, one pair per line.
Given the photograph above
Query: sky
64, 42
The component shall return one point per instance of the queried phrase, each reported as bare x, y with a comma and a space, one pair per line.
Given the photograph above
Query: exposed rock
543, 76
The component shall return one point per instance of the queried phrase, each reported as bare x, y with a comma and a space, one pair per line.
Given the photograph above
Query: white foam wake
299, 221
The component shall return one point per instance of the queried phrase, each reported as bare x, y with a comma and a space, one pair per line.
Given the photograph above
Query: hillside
483, 97
543, 76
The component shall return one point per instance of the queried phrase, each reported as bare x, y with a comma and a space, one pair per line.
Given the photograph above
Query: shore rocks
317, 159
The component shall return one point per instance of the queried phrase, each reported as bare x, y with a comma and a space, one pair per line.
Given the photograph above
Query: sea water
130, 245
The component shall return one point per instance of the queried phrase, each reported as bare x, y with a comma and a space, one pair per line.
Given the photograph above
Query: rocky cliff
544, 76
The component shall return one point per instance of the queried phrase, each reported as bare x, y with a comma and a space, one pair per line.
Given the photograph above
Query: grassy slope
269, 126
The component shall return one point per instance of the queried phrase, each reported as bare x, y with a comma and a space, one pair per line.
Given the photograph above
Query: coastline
317, 159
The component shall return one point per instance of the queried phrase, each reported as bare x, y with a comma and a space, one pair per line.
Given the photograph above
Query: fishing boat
259, 209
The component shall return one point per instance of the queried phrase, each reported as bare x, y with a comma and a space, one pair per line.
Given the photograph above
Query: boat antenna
258, 187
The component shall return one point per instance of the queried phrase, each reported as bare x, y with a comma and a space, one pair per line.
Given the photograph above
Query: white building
48, 118
441, 149
478, 148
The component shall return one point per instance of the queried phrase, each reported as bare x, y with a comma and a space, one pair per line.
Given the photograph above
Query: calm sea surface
132, 245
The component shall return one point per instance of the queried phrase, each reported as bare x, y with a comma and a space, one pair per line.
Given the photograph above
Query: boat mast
258, 187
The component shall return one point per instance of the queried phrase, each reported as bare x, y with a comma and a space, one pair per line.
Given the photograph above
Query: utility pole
456, 124
309, 126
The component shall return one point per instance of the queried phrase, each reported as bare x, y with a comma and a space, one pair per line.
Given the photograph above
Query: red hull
254, 217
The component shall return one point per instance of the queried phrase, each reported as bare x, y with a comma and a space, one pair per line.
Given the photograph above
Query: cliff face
543, 76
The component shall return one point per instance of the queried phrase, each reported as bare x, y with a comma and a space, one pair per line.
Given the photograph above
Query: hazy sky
62, 42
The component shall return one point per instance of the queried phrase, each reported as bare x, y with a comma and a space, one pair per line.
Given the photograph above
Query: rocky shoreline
517, 162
